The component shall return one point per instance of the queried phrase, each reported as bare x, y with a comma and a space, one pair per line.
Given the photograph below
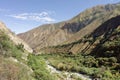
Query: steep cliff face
13, 37
71, 30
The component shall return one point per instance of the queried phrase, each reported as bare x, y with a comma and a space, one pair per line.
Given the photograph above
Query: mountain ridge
71, 30
88, 42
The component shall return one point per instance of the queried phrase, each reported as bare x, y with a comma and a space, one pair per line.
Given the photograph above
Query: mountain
16, 61
87, 44
71, 30
13, 37
105, 34
96, 54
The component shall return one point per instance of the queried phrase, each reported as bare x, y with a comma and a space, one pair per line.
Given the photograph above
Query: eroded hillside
70, 30
97, 54
89, 42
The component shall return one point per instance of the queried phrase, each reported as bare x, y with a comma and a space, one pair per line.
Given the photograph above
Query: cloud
43, 17
3, 10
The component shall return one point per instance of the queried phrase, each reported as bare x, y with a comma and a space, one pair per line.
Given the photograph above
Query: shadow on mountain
107, 27
106, 30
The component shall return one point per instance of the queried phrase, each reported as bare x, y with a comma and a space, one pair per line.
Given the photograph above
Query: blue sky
23, 15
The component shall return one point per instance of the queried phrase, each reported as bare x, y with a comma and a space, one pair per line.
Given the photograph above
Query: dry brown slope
92, 26
107, 31
14, 38
55, 34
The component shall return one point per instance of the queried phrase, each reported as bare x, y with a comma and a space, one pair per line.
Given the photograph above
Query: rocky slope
90, 43
97, 54
12, 59
13, 37
90, 46
71, 30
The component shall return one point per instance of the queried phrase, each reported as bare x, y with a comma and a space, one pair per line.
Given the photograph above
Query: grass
38, 65
12, 66
85, 64
8, 48
11, 70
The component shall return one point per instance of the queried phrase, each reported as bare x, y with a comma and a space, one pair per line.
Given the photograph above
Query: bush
38, 65
20, 47
86, 64
8, 48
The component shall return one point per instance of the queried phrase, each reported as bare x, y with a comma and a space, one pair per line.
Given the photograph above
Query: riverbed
66, 75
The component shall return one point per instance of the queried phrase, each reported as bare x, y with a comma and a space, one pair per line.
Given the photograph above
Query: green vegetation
11, 70
14, 67
95, 67
8, 48
37, 63
101, 61
12, 64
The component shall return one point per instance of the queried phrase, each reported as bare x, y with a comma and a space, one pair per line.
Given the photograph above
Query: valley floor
66, 75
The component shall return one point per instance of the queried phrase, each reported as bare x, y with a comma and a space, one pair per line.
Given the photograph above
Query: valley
86, 47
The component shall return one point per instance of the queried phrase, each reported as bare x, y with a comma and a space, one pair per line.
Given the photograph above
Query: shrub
20, 47
38, 65
8, 48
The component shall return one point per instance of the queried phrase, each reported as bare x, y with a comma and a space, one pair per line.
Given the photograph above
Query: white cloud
43, 17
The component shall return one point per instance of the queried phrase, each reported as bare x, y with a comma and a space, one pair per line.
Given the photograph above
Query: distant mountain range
72, 30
